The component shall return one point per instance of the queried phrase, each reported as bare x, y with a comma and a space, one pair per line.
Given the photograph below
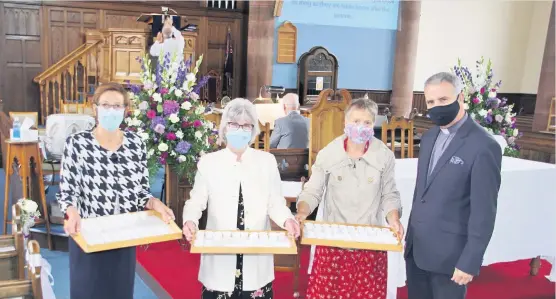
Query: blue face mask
110, 119
238, 139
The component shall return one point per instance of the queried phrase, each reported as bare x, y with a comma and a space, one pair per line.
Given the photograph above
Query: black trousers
101, 275
422, 284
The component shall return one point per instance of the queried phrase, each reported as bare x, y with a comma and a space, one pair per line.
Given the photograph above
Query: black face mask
443, 115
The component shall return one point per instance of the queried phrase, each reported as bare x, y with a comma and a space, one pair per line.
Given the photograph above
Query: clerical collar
454, 128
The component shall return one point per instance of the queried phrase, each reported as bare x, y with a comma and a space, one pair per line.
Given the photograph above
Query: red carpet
176, 271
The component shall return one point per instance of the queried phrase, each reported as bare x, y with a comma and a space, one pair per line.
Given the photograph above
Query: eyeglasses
108, 106
236, 126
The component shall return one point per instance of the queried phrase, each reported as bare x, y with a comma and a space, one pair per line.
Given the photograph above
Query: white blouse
217, 183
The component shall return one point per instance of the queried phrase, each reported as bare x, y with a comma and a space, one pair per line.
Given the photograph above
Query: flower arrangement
168, 115
29, 214
484, 106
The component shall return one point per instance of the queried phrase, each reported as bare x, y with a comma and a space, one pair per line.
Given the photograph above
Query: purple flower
183, 147
201, 83
180, 77
513, 125
158, 74
158, 120
135, 89
488, 118
159, 128
170, 107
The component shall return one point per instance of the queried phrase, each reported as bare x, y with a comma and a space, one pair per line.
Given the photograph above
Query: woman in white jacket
242, 186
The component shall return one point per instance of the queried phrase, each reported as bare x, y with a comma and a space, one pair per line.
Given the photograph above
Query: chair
76, 108
405, 144
212, 91
21, 115
265, 136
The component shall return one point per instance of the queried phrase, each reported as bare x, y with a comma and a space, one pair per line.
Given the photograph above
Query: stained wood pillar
545, 92
404, 59
260, 46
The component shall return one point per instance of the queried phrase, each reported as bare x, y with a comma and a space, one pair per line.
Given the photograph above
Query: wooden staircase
106, 56
69, 80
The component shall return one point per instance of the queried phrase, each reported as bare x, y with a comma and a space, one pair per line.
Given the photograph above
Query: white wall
511, 33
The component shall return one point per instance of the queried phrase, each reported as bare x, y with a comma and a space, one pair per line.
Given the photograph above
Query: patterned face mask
359, 133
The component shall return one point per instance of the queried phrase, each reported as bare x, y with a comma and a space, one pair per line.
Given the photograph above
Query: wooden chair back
76, 108
21, 115
326, 120
264, 136
25, 288
405, 145
212, 91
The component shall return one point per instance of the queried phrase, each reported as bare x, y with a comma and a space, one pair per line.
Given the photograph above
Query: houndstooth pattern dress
99, 182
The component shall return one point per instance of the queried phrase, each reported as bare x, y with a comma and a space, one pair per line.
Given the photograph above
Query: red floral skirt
344, 273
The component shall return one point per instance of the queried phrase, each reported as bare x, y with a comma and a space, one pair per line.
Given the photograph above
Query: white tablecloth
525, 222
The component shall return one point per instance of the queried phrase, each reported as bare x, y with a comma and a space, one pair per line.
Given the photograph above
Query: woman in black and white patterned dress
104, 172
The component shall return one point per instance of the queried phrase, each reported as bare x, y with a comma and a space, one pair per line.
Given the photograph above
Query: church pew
25, 288
11, 250
292, 163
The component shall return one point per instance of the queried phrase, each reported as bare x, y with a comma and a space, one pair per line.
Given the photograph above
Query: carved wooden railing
67, 80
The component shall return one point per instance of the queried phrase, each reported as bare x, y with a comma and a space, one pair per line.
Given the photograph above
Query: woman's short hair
236, 110
363, 104
111, 87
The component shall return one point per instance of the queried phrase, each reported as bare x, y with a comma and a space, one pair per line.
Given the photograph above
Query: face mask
110, 119
238, 139
358, 133
443, 115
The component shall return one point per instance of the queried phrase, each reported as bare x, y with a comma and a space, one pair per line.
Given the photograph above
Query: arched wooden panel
287, 43
326, 120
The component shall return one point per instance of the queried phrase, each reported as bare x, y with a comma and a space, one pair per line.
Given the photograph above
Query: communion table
525, 222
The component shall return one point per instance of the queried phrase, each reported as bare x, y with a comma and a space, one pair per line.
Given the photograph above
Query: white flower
200, 110
186, 106
144, 105
173, 154
136, 122
466, 106
499, 118
489, 130
150, 152
178, 93
136, 112
179, 134
182, 158
209, 125
202, 153
198, 134
191, 77
162, 147
516, 132
157, 97
174, 118
483, 112
28, 205
144, 136
473, 116
492, 94
128, 120
193, 96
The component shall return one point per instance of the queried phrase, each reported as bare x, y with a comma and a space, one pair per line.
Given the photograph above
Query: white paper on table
27, 123
291, 189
